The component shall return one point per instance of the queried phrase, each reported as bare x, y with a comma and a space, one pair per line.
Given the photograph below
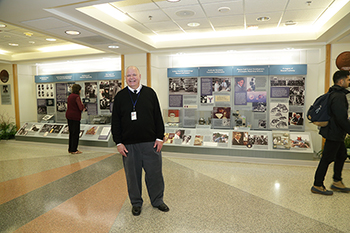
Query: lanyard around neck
132, 101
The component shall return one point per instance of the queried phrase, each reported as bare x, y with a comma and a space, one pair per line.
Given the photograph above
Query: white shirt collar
137, 89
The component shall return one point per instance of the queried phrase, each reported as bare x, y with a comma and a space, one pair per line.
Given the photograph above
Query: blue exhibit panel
44, 78
182, 72
76, 77
111, 75
215, 71
299, 69
250, 70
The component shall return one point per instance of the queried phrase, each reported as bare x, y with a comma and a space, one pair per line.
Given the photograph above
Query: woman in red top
73, 115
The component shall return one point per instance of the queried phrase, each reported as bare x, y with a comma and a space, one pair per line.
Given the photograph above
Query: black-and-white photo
279, 115
61, 106
183, 85
259, 106
91, 90
296, 95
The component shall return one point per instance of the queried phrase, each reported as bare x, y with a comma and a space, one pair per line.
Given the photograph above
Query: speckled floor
45, 189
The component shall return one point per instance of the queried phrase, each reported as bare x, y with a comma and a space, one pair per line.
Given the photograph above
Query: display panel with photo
240, 138
220, 137
279, 115
92, 130
280, 140
299, 141
198, 140
221, 84
169, 138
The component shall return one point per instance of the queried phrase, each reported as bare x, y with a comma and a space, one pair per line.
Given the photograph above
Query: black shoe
163, 207
136, 210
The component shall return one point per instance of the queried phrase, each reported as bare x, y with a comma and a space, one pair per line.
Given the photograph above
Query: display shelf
240, 142
91, 135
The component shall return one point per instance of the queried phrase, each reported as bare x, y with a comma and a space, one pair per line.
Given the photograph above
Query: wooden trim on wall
327, 77
122, 61
328, 68
149, 83
15, 94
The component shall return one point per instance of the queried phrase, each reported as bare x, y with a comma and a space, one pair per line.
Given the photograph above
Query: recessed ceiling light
290, 23
224, 9
265, 18
72, 32
2, 25
31, 42
50, 39
252, 27
173, 0
193, 24
185, 13
113, 46
12, 44
29, 34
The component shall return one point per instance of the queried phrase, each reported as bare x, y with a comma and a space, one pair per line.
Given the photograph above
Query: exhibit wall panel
8, 108
27, 93
313, 57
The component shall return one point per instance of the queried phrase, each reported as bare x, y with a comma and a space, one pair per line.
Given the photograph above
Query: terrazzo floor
45, 189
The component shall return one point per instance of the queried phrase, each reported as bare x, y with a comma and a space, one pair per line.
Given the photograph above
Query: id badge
133, 116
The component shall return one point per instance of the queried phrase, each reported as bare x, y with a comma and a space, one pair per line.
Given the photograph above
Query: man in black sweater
334, 133
138, 131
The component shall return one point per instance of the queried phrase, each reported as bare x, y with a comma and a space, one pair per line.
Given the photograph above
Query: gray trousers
143, 155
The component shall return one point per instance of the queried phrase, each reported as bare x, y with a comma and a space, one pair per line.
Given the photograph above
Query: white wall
27, 93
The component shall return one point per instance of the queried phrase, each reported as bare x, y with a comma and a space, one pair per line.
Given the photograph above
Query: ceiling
139, 26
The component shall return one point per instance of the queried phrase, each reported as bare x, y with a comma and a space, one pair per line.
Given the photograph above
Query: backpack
318, 111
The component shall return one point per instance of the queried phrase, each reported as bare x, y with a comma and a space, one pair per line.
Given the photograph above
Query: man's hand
158, 144
122, 149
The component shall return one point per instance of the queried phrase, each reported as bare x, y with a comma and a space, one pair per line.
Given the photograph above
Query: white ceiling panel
198, 12
234, 20
253, 6
212, 9
162, 26
149, 16
46, 23
303, 5
305, 15
185, 3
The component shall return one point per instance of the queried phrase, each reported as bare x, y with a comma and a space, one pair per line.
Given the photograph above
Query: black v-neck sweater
149, 124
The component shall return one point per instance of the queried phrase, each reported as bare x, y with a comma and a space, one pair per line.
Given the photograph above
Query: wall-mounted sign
76, 77
343, 61
4, 76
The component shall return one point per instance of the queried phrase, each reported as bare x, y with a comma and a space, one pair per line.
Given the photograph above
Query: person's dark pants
74, 131
143, 155
332, 151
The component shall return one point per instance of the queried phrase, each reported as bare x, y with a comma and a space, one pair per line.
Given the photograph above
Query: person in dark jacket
138, 131
73, 115
334, 133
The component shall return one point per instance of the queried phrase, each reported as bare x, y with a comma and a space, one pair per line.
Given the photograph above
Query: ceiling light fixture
113, 46
3, 51
193, 24
112, 11
50, 39
12, 44
72, 32
290, 23
2, 25
173, 0
224, 9
185, 13
264, 18
29, 34
252, 27
31, 42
